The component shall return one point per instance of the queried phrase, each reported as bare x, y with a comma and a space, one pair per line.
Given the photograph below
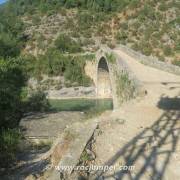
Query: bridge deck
145, 73
149, 139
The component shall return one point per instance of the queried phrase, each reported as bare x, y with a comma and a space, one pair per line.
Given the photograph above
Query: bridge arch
104, 84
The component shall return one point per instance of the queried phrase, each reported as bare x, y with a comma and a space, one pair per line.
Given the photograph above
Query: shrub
9, 46
88, 41
159, 16
135, 46
63, 11
167, 51
111, 44
148, 11
125, 87
136, 25
9, 140
163, 7
65, 44
36, 20
176, 62
177, 46
148, 32
161, 58
85, 19
134, 4
28, 62
69, 23
141, 17
124, 26
145, 47
147, 50
53, 63
121, 36
37, 102
75, 72
111, 58
75, 34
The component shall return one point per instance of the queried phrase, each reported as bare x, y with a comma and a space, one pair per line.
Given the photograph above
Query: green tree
8, 46
12, 79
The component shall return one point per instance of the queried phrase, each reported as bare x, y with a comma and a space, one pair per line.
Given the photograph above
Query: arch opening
104, 89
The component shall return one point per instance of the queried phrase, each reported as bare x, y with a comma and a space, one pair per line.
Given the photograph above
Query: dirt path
149, 137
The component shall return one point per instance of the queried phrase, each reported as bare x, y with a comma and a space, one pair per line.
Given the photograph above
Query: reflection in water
96, 105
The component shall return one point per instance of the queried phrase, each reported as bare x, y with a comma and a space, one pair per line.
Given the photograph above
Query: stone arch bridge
104, 71
122, 64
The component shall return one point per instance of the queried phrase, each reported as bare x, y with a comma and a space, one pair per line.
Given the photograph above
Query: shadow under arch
104, 84
103, 64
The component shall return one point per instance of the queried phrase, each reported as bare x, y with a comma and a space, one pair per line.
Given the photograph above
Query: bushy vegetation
54, 63
9, 140
44, 6
111, 58
66, 44
151, 28
12, 79
8, 45
125, 87
176, 62
37, 102
10, 34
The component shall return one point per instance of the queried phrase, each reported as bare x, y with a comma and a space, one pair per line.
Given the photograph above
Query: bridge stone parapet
150, 60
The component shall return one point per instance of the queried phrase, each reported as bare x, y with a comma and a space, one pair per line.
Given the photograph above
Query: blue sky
2, 1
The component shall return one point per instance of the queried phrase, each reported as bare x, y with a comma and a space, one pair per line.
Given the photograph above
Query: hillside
151, 27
